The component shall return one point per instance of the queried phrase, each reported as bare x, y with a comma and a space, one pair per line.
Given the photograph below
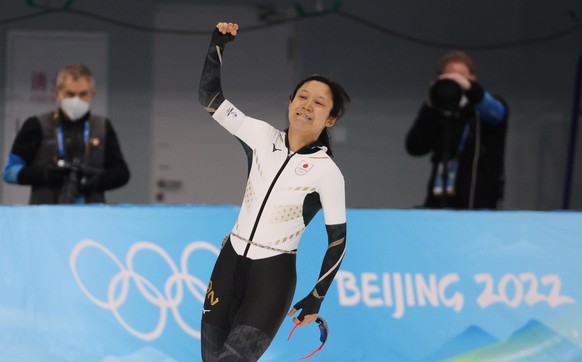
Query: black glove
90, 180
308, 305
55, 176
476, 93
221, 39
43, 175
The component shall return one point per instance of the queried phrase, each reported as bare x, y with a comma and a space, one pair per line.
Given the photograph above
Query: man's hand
90, 180
55, 175
462, 81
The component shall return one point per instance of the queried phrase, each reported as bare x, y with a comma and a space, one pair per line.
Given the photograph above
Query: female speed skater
291, 177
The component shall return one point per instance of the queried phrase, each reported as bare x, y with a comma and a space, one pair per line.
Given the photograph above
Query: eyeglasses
323, 332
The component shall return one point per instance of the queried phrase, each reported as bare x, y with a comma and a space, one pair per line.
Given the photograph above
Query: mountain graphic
541, 343
534, 342
470, 339
146, 354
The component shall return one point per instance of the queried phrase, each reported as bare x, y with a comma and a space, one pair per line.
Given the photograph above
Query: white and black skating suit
253, 281
284, 190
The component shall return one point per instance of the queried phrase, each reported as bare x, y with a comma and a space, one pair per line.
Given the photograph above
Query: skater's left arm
334, 255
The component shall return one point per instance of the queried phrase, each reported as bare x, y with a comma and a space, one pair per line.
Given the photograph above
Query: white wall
387, 78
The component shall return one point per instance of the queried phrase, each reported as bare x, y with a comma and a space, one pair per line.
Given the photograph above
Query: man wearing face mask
463, 127
68, 155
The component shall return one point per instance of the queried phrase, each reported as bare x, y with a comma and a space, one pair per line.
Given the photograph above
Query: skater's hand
224, 33
309, 318
227, 28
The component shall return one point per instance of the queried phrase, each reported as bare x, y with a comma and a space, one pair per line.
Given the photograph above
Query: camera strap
452, 166
464, 138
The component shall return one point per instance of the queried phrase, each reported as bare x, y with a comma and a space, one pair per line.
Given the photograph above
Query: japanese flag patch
303, 168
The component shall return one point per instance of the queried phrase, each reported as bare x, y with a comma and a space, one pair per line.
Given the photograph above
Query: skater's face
309, 110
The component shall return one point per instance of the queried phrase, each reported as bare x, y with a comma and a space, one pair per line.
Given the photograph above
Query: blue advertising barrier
126, 283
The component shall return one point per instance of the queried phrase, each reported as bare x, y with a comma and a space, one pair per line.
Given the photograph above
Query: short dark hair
340, 99
339, 96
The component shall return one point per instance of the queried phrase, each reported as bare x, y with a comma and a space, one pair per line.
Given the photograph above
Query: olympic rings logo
168, 299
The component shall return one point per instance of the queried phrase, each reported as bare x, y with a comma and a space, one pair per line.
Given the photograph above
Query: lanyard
464, 137
61, 138
451, 170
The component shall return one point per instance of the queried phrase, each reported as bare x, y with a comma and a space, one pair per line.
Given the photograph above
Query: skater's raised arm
210, 92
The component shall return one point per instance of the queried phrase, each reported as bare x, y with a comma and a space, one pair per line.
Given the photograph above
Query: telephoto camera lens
446, 94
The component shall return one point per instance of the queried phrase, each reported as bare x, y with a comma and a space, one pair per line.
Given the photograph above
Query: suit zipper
265, 202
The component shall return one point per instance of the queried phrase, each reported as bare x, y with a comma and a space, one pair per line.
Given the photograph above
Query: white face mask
75, 108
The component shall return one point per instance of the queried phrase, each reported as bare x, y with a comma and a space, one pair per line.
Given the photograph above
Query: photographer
463, 127
68, 155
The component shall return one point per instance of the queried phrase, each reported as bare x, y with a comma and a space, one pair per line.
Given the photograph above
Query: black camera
70, 190
446, 94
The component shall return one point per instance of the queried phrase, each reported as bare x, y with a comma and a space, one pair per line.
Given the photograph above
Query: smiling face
309, 110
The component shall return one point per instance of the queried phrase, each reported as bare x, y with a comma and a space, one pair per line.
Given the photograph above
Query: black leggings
250, 293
